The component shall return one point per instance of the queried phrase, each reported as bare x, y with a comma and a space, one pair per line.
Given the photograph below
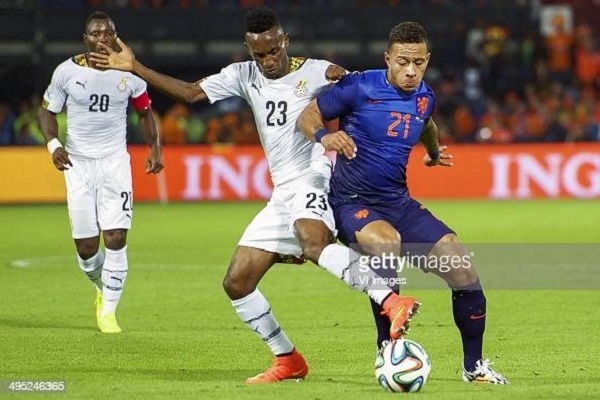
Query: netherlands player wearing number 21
383, 114
297, 221
95, 160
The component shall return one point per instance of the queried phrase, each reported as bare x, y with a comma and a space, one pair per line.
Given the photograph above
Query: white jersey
96, 106
276, 104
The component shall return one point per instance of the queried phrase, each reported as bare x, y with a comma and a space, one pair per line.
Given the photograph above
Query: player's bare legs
90, 259
376, 238
247, 267
114, 275
450, 245
316, 241
469, 309
313, 236
245, 271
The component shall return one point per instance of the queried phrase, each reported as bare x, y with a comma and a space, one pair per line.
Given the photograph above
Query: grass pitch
183, 340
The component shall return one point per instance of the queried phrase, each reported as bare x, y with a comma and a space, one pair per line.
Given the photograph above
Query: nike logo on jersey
81, 84
373, 101
319, 214
128, 216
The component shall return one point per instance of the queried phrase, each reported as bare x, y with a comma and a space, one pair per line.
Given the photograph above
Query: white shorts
99, 195
272, 229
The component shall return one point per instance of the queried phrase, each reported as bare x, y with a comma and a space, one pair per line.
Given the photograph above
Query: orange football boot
291, 366
400, 310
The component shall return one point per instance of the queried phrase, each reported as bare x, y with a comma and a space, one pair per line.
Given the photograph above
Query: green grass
183, 340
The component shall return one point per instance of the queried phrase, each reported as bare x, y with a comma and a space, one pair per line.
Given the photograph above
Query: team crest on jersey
301, 89
122, 86
422, 104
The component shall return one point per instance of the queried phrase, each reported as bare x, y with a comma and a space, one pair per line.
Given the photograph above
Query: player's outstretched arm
435, 153
154, 163
49, 126
186, 92
312, 125
335, 73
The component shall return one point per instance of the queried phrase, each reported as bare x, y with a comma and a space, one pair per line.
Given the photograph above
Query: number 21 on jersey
399, 118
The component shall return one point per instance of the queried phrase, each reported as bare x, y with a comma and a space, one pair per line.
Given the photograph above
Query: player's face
269, 51
407, 63
100, 31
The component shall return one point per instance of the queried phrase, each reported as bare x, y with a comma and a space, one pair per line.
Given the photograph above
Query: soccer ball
402, 366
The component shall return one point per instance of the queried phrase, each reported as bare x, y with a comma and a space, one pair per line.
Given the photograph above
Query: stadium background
519, 107
505, 72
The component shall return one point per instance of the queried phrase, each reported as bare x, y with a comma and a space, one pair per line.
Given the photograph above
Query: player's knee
87, 248
236, 286
115, 239
463, 272
461, 277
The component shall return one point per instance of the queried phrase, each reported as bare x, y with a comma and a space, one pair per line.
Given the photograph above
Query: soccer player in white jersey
95, 160
297, 221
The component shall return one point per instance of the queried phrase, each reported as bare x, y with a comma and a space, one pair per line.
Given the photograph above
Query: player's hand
341, 143
335, 73
154, 163
122, 60
60, 159
443, 160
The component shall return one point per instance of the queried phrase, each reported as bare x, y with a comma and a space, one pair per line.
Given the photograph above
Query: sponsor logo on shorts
362, 214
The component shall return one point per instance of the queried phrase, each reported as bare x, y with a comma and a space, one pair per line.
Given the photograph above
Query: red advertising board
238, 173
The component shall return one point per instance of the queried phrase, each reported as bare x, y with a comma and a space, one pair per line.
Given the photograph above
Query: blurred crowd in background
512, 87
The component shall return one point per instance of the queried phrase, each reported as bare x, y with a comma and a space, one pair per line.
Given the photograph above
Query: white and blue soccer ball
402, 366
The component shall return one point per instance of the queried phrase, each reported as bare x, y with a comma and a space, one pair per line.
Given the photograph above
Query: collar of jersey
80, 60
296, 63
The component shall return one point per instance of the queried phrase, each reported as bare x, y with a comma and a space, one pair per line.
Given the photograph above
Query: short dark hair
408, 32
261, 19
97, 15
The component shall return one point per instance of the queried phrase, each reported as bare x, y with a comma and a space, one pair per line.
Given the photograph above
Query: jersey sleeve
431, 107
56, 95
338, 100
139, 87
431, 103
227, 83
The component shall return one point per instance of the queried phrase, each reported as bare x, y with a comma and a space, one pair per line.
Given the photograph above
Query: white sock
114, 274
256, 313
92, 268
343, 262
